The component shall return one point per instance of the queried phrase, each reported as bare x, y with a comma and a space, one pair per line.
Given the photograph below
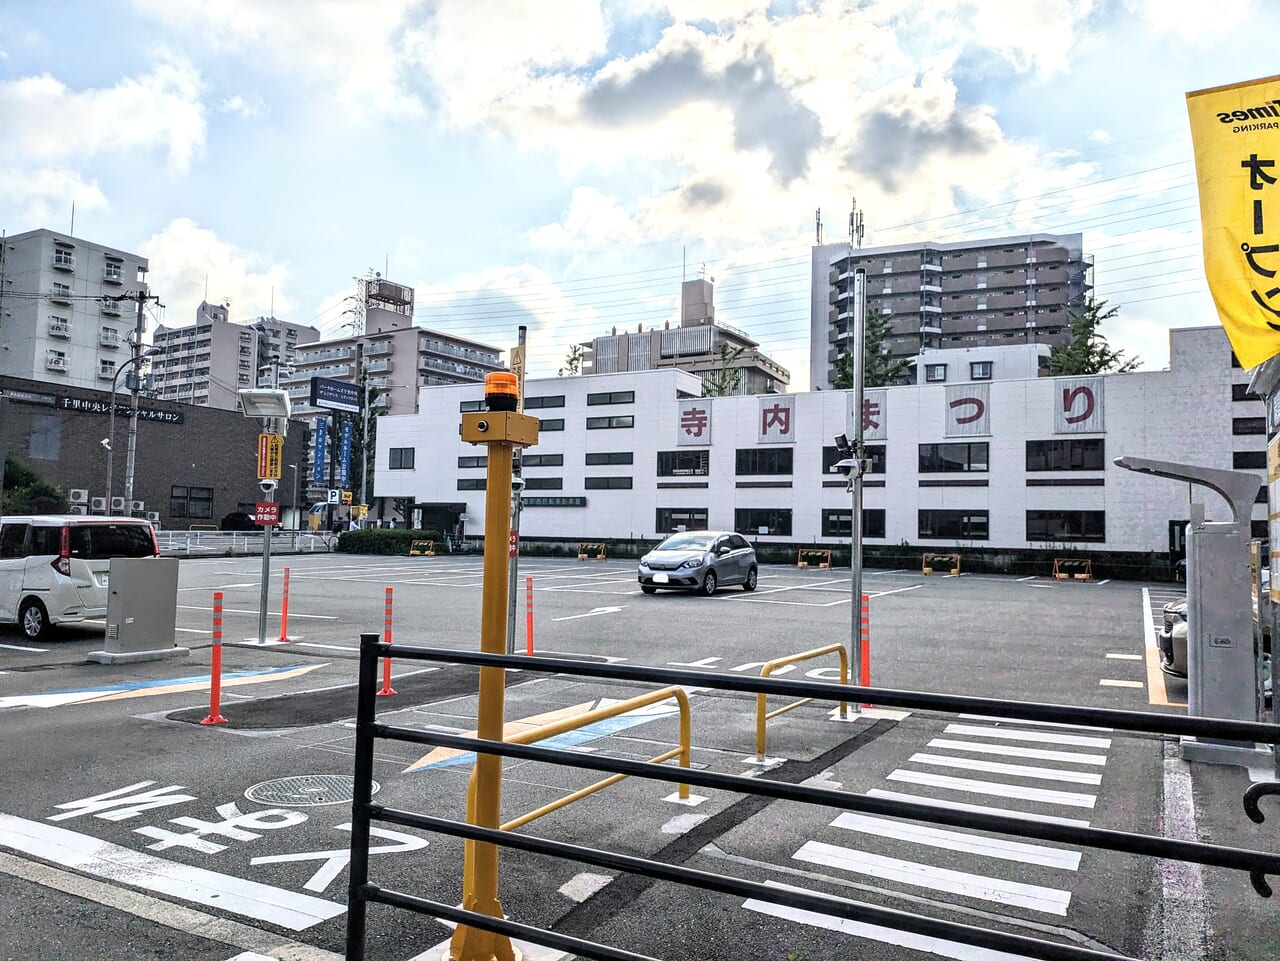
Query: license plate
660, 578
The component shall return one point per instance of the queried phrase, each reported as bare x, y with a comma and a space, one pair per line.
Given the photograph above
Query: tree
26, 493
572, 362
1087, 352
725, 379
880, 368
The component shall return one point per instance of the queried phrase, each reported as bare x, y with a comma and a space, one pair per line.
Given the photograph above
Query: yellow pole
480, 881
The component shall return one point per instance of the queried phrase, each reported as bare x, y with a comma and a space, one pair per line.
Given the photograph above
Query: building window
684, 463
776, 522
401, 458
1241, 392
107, 368
835, 523
947, 458
556, 423
1066, 525
537, 403
471, 406
1249, 460
607, 483
544, 483
980, 370
671, 519
611, 397
469, 462
953, 525
470, 483
935, 373
195, 502
1088, 454
1259, 530
873, 452
765, 460
610, 423
1248, 425
543, 460
45, 439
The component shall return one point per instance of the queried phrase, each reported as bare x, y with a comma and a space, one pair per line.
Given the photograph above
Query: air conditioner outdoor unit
117, 504
98, 504
78, 497
79, 509
139, 506
153, 516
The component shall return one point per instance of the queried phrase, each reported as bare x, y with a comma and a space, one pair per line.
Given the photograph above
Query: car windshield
687, 542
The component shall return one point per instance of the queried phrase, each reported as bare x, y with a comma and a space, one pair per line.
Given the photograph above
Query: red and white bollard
387, 689
215, 668
284, 609
528, 615
865, 646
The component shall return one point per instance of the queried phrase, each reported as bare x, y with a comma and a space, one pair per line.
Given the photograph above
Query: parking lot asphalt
126, 773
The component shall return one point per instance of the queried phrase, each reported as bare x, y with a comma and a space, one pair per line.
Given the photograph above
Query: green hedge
381, 540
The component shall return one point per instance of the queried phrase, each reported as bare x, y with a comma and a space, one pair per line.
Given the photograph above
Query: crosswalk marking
1008, 750
1033, 897
1014, 734
993, 847
994, 788
974, 808
990, 717
1012, 770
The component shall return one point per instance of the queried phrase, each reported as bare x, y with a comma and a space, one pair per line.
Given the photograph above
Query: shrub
386, 541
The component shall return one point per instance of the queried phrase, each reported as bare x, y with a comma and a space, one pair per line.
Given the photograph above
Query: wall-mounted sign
335, 394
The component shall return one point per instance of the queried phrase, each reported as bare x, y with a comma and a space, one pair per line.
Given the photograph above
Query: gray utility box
142, 610
1222, 664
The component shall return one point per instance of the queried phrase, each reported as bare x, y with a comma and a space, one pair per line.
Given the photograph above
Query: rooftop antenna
206, 286
684, 261
273, 303
817, 219
856, 227
73, 219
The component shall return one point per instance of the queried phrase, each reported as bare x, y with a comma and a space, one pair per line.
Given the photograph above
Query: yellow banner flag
1236, 134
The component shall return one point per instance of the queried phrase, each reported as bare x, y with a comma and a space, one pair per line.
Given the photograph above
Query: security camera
106, 443
267, 485
482, 425
517, 484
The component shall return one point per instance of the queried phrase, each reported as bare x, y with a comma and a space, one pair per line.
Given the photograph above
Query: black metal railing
1257, 864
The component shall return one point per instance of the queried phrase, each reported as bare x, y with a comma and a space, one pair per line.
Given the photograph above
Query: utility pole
858, 314
131, 452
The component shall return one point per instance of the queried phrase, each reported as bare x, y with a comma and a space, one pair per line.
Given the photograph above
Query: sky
565, 165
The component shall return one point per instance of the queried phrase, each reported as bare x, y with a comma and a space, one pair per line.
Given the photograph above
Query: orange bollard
528, 616
387, 689
865, 646
284, 609
215, 669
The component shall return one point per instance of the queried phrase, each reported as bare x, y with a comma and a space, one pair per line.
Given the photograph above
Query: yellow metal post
500, 429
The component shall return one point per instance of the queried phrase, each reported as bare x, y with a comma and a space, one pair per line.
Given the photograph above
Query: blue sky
555, 164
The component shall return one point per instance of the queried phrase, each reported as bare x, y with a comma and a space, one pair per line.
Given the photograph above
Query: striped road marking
994, 788
975, 808
961, 841
1033, 897
1109, 682
1012, 770
1070, 727
1008, 750
1043, 737
111, 862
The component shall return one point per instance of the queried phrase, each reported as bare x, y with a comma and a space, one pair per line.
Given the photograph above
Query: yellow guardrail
813, 557
762, 715
422, 548
949, 562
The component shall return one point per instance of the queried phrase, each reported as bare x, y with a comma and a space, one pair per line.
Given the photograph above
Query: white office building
985, 454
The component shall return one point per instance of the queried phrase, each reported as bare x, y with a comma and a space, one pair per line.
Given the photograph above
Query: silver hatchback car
699, 561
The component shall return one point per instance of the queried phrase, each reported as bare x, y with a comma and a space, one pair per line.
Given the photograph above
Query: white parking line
1109, 682
19, 647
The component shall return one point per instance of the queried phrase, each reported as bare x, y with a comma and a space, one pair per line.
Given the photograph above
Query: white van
54, 567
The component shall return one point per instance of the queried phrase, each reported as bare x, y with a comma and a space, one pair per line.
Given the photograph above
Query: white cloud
1031, 35
1100, 136
252, 107
592, 219
47, 121
185, 256
1193, 21
40, 196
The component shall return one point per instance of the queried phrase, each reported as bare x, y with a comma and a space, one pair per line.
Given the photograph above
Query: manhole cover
305, 790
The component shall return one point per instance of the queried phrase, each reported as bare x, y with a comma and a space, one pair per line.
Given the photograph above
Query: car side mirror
723, 549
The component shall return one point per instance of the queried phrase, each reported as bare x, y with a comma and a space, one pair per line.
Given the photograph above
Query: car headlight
695, 562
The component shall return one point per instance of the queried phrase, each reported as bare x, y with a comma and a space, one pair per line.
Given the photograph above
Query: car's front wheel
709, 583
648, 588
750, 583
33, 619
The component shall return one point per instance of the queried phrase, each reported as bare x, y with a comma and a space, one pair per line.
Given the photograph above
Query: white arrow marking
591, 613
336, 861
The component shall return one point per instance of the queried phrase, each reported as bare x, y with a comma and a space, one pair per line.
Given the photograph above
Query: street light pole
111, 419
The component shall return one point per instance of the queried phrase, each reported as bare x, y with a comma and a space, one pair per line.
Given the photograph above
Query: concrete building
971, 293
693, 346
964, 461
210, 361
59, 319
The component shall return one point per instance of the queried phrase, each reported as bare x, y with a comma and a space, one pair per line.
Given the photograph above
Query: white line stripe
1148, 618
19, 647
961, 841
1008, 750
899, 590
232, 610
975, 808
874, 932
112, 862
1022, 580
1125, 657
1014, 893
1109, 682
1044, 737
1105, 580
1069, 727
994, 788
1012, 770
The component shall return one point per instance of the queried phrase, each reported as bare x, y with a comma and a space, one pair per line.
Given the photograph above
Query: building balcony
931, 288
109, 339
60, 295
56, 363
111, 308
379, 366
379, 349
59, 328
933, 267
930, 309
107, 373
112, 274
63, 261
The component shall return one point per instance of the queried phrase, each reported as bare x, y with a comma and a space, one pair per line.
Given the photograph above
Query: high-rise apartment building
61, 317
210, 361
694, 346
970, 293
